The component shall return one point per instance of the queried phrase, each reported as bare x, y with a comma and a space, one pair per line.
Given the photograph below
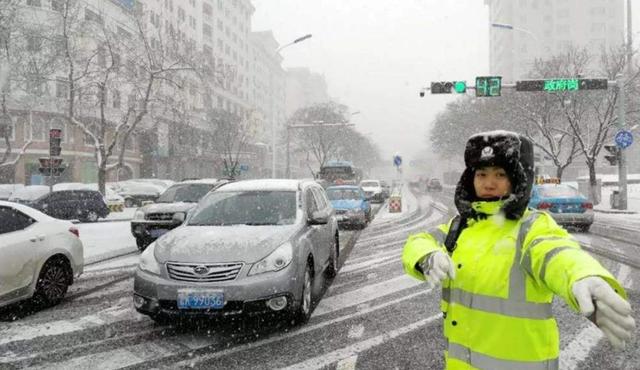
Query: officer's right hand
436, 267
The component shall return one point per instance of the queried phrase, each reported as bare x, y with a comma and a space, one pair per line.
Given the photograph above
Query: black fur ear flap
465, 194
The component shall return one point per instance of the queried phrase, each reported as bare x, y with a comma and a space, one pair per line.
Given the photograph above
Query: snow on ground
126, 214
104, 240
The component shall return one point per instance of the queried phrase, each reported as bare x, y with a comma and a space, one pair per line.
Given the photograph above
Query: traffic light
562, 84
614, 156
446, 87
488, 86
55, 139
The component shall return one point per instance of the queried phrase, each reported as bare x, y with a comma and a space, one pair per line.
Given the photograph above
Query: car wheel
142, 244
584, 228
303, 312
90, 216
332, 269
53, 282
129, 203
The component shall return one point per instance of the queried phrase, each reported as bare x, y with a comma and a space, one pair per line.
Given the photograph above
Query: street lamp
273, 121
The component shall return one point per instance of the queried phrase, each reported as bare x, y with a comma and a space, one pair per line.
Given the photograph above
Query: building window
34, 3
563, 13
92, 17
181, 15
34, 43
207, 10
207, 31
37, 129
36, 86
115, 97
597, 27
57, 5
220, 25
62, 89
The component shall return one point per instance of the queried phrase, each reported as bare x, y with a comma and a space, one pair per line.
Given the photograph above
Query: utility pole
622, 160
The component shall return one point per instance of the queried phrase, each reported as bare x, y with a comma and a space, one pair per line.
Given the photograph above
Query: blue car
564, 203
351, 205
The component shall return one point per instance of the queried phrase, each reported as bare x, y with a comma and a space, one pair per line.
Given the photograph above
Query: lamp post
273, 120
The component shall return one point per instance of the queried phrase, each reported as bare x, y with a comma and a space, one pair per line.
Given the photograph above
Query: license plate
189, 299
156, 233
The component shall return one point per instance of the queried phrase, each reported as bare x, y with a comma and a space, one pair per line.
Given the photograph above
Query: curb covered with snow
109, 255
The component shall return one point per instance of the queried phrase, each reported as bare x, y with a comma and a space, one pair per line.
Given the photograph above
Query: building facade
523, 30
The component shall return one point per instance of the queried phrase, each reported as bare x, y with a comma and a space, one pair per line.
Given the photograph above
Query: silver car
252, 246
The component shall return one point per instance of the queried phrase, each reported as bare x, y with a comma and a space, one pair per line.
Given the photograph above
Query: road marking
109, 315
579, 348
371, 263
332, 357
356, 331
303, 330
348, 363
364, 294
354, 261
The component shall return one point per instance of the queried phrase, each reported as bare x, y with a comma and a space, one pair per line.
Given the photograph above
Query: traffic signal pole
622, 159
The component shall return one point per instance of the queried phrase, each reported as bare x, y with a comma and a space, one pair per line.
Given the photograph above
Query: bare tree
232, 135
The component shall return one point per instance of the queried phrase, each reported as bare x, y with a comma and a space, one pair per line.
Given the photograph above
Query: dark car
83, 205
137, 193
153, 220
434, 185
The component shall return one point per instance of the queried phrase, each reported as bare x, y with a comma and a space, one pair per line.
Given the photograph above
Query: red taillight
587, 205
545, 205
74, 231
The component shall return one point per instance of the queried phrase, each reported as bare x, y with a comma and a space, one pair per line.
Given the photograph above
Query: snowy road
371, 316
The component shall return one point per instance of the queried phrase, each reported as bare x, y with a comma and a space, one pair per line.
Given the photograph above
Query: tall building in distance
523, 30
304, 88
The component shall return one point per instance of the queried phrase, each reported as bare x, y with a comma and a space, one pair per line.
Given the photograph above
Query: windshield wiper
259, 223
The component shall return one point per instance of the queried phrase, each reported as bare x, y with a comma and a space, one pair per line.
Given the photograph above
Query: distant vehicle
434, 185
82, 204
28, 194
253, 246
7, 189
340, 173
114, 202
373, 190
40, 255
386, 189
161, 183
351, 205
564, 203
136, 193
153, 220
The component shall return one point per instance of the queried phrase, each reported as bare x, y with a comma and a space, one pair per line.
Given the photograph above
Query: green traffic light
460, 87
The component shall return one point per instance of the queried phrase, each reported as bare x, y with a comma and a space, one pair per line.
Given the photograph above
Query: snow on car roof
200, 181
343, 187
31, 212
264, 185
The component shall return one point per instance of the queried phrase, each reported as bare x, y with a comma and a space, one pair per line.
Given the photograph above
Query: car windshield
558, 191
190, 193
343, 194
246, 208
369, 184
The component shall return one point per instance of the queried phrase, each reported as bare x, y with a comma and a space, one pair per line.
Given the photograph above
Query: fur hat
505, 149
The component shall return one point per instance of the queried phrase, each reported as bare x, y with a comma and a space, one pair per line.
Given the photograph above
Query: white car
373, 190
41, 255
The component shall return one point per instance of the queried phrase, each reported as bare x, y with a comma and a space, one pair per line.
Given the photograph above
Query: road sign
562, 84
624, 139
488, 86
397, 160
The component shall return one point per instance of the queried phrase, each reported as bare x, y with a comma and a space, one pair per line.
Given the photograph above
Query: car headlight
276, 261
139, 215
148, 260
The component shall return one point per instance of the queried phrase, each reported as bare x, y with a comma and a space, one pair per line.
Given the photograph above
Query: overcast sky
377, 54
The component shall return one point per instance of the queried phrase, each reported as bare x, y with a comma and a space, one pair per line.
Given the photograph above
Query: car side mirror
178, 217
319, 218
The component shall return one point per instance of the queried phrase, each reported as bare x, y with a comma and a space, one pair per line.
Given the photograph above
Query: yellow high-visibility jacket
497, 311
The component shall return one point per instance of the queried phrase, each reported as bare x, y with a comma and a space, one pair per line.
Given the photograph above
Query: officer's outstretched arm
419, 246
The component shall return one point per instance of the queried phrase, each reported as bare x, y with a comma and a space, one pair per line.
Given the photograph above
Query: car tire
129, 203
303, 311
142, 244
332, 269
54, 280
584, 228
90, 216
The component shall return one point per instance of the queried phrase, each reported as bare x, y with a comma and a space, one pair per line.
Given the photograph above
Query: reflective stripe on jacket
497, 311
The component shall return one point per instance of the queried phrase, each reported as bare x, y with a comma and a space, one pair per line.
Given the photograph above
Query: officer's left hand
612, 313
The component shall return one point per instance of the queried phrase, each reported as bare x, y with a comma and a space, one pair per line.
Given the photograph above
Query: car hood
168, 207
371, 188
346, 203
211, 244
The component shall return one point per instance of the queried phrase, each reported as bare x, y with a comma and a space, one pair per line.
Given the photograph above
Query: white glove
612, 313
436, 267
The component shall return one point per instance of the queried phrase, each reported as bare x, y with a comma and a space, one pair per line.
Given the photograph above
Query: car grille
341, 211
214, 272
159, 216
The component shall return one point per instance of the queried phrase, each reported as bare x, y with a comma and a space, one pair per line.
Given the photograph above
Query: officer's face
491, 182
